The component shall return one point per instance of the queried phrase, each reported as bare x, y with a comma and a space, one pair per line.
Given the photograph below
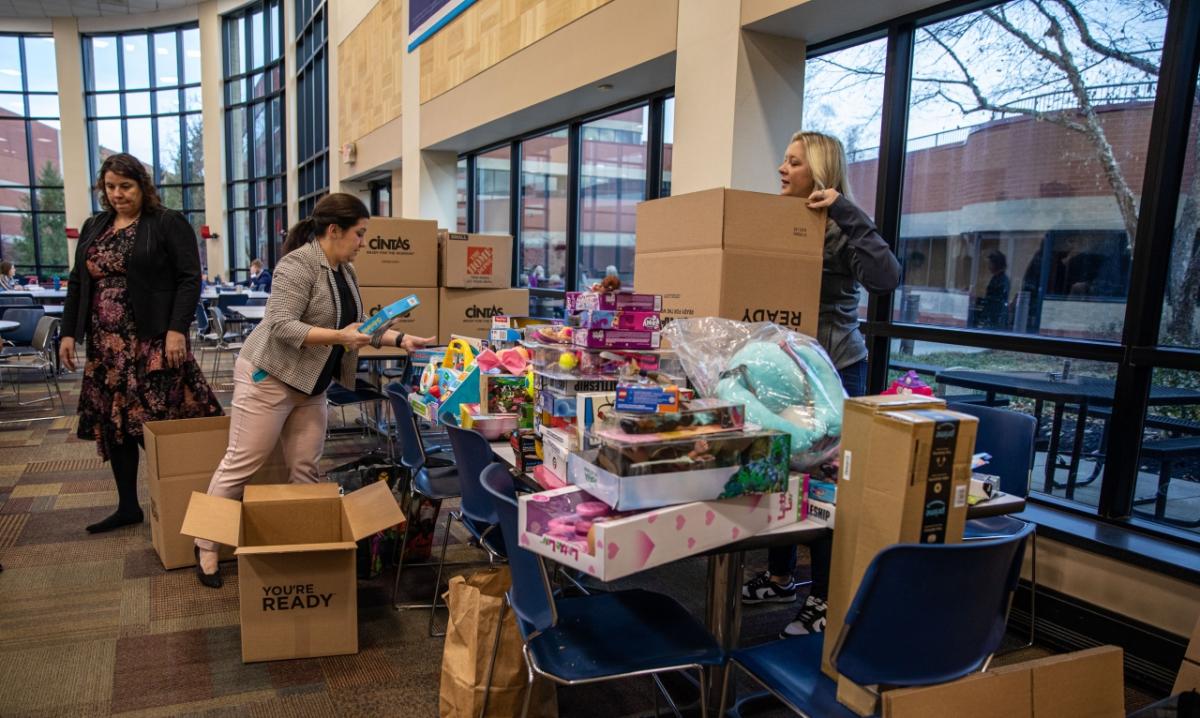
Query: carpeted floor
93, 625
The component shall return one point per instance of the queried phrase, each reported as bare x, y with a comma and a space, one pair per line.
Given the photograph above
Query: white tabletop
249, 311
6, 325
39, 293
53, 309
211, 293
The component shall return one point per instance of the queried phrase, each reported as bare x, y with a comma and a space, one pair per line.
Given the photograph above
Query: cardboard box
398, 253
734, 284
475, 261
469, 312
627, 545
1083, 684
181, 457
729, 219
422, 321
1188, 678
881, 490
296, 562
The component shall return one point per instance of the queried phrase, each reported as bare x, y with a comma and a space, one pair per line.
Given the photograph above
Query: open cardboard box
296, 562
622, 546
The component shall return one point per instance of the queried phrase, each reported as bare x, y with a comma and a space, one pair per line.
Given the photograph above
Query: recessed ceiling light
604, 87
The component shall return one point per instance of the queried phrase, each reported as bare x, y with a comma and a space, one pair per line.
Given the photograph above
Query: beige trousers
263, 413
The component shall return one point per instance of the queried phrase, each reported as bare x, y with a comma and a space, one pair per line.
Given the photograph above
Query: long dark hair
126, 165
344, 210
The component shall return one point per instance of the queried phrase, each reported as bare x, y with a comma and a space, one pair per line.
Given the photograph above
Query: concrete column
428, 188
738, 99
212, 84
73, 144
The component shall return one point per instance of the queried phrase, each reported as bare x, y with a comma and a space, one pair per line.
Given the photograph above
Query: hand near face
822, 198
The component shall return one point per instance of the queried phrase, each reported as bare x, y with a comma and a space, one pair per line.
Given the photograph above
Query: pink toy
562, 525
592, 509
582, 527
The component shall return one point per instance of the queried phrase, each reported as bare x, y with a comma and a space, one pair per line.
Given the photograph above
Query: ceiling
86, 8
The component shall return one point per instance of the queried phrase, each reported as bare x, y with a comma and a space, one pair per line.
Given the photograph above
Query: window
254, 134
312, 91
542, 260
381, 198
612, 182
32, 219
493, 196
460, 182
143, 97
1181, 320
668, 143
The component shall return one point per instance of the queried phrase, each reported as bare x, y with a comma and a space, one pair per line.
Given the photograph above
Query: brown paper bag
474, 600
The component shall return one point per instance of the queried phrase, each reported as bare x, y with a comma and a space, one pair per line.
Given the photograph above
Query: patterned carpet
93, 625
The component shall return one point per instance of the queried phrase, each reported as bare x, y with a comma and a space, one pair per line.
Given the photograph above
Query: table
8, 325
1080, 391
211, 294
726, 565
248, 311
54, 310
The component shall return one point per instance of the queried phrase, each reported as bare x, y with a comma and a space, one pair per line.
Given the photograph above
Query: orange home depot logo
479, 260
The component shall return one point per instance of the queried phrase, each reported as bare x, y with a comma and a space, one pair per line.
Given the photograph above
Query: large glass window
312, 103
143, 97
668, 145
32, 219
256, 168
1026, 150
542, 261
460, 183
1167, 486
493, 195
612, 181
1181, 318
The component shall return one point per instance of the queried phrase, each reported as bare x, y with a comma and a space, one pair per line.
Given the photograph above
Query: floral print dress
126, 380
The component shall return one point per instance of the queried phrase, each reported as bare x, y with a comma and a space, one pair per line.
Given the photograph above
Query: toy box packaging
571, 527
503, 393
612, 301
615, 339
419, 321
628, 320
557, 445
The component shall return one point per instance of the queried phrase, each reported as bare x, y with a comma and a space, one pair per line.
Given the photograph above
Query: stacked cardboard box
476, 284
400, 258
728, 253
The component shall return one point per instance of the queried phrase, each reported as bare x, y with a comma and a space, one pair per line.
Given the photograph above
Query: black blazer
163, 275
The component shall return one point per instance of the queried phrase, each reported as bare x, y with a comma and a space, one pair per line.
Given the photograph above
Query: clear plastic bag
785, 379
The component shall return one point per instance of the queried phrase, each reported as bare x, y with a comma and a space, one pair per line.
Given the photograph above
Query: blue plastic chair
890, 637
1009, 437
27, 320
477, 514
604, 636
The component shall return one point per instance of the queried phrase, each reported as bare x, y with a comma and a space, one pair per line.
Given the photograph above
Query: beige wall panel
73, 144
755, 10
369, 65
489, 32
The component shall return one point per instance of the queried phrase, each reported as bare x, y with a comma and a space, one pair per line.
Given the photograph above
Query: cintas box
740, 255
181, 456
398, 253
297, 588
469, 312
421, 321
475, 261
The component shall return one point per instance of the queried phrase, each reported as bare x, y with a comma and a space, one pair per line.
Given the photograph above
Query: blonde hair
827, 158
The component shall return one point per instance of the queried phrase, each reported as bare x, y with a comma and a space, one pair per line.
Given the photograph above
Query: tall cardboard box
422, 321
741, 255
469, 312
905, 473
475, 261
297, 587
181, 456
398, 253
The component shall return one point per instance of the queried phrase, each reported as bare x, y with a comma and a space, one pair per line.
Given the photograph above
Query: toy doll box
762, 469
625, 545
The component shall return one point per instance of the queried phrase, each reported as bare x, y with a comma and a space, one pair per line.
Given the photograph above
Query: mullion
120, 39
574, 185
156, 160
29, 164
514, 202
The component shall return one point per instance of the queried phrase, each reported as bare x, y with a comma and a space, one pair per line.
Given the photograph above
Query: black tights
124, 460
781, 561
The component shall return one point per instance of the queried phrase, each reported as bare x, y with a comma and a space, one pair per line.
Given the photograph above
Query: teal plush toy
791, 387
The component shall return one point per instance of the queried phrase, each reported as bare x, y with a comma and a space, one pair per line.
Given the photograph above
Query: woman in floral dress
133, 293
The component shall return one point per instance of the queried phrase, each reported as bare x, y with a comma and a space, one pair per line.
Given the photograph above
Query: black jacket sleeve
875, 267
70, 319
184, 253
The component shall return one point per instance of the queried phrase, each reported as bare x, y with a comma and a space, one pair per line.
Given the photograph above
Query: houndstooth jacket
303, 295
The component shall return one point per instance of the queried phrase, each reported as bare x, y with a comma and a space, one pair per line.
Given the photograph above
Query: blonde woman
814, 167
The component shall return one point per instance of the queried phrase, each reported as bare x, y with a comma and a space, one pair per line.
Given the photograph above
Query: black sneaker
809, 619
762, 589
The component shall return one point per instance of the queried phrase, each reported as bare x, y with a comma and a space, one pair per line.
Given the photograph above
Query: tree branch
1095, 45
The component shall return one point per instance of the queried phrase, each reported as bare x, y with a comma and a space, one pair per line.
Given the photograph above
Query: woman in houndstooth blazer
308, 338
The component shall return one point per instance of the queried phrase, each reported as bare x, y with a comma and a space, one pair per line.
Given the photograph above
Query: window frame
312, 93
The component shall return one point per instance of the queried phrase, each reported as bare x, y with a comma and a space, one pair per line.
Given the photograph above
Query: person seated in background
8, 277
260, 278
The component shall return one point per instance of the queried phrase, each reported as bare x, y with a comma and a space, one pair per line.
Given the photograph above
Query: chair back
412, 451
218, 320
225, 301
530, 594
472, 454
1009, 437
44, 332
256, 302
930, 613
27, 318
16, 299
201, 318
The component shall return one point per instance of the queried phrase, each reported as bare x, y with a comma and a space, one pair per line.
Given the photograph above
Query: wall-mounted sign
426, 17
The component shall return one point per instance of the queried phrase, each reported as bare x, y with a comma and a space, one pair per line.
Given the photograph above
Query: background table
248, 311
6, 325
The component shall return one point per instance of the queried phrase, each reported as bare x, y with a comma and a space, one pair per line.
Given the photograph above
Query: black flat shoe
212, 580
116, 521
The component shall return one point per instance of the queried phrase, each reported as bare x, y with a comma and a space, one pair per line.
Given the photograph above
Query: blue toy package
398, 308
647, 398
825, 491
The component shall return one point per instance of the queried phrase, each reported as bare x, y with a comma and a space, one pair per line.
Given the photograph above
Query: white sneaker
761, 589
809, 619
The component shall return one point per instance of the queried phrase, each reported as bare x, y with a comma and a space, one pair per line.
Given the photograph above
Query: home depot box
897, 485
1083, 684
296, 562
398, 253
475, 261
469, 312
181, 456
740, 255
422, 321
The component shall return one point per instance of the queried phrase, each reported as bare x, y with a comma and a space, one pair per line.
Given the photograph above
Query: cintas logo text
477, 312
391, 244
294, 597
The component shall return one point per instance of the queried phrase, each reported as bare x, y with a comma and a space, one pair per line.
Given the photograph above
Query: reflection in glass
43, 106
542, 261
191, 56
10, 63
612, 181
1167, 474
104, 63
137, 103
167, 100
12, 135
1011, 221
40, 65
492, 192
1181, 311
141, 141
13, 103
166, 60
169, 151
137, 61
